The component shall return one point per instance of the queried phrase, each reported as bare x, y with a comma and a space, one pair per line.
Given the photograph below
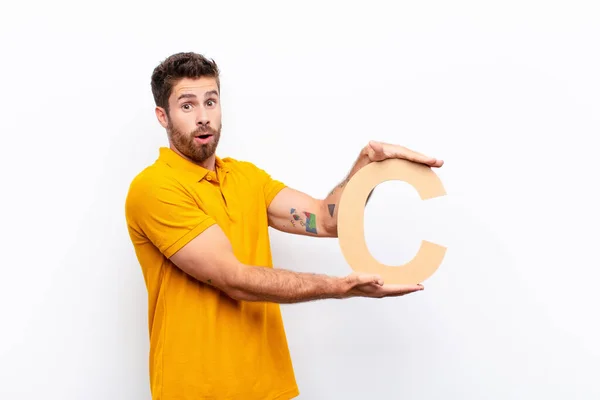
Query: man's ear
162, 117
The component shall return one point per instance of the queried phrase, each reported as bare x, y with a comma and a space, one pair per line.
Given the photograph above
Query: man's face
194, 120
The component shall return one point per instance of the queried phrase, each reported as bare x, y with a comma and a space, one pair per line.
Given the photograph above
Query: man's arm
292, 211
209, 258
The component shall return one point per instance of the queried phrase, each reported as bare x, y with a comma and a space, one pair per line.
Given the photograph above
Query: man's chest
237, 206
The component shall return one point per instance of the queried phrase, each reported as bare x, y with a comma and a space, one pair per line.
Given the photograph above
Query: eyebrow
186, 96
211, 93
193, 96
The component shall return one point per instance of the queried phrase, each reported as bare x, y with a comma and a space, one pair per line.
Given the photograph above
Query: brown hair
176, 67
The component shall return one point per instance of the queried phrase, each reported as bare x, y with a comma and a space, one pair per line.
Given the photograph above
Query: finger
390, 290
376, 146
418, 157
375, 152
437, 163
397, 151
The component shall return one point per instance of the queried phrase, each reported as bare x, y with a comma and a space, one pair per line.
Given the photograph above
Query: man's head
186, 89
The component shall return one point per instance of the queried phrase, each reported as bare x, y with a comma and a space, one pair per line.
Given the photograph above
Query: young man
199, 225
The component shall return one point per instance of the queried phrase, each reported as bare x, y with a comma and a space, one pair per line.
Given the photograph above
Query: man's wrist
341, 287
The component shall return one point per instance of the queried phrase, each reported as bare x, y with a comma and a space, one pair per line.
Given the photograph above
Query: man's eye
210, 103
187, 107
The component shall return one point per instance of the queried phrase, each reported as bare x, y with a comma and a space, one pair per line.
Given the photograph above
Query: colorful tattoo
310, 223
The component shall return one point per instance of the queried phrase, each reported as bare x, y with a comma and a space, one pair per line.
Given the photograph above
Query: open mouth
203, 135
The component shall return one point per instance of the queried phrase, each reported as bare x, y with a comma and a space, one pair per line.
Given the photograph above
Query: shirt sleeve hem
185, 239
270, 195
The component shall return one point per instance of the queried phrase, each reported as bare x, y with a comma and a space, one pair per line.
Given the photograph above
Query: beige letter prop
351, 227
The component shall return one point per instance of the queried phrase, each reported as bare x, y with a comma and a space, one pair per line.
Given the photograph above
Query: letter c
351, 220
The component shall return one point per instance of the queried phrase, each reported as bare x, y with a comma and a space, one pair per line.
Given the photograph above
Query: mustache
203, 130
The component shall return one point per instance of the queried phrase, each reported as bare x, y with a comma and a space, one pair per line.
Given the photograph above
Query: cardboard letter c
351, 228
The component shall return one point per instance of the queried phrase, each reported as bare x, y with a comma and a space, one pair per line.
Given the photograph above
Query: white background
505, 92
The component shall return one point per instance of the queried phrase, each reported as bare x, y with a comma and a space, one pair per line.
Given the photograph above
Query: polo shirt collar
174, 160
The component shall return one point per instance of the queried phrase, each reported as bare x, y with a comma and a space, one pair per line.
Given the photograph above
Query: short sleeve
270, 187
163, 212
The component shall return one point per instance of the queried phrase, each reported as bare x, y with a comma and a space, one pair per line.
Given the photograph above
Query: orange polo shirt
203, 344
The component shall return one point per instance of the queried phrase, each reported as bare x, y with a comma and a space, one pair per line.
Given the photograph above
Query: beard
187, 145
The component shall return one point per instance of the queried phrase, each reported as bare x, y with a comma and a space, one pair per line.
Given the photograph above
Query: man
199, 225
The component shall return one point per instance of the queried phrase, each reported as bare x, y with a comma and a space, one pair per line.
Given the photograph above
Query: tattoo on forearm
331, 209
310, 221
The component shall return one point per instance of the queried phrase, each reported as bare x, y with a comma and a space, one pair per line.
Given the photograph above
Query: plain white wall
505, 92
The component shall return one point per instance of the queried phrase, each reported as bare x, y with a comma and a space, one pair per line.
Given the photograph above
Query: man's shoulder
236, 163
241, 166
151, 177
152, 184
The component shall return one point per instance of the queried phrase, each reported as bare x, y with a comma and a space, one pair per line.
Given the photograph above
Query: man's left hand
379, 151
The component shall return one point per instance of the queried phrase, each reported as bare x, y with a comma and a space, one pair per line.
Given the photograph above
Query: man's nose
202, 119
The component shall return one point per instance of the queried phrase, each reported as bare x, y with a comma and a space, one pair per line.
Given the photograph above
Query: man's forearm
253, 283
333, 198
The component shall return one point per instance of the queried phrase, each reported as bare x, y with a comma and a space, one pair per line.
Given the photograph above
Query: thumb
376, 146
375, 151
365, 279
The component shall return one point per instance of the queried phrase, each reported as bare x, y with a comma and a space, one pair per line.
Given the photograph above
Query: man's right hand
369, 285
